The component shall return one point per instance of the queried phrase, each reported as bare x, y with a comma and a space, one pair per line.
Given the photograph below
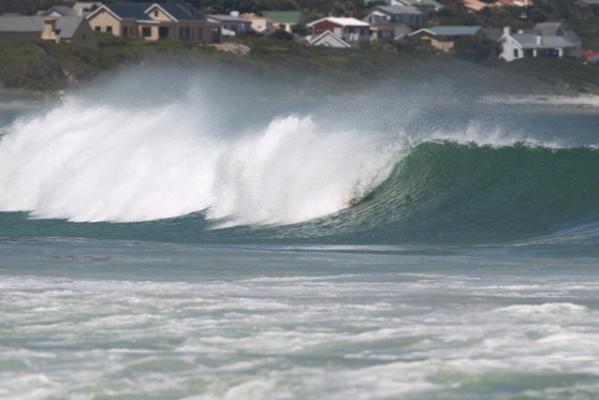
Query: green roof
289, 17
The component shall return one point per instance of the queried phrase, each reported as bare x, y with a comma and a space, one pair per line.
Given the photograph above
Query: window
109, 29
98, 29
156, 13
125, 31
516, 53
146, 31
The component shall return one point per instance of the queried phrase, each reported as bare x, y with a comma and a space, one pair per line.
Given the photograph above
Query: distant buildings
155, 21
260, 24
350, 30
58, 29
478, 5
443, 38
548, 40
285, 20
232, 24
395, 14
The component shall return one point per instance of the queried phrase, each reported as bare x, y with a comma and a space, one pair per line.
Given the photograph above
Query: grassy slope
45, 66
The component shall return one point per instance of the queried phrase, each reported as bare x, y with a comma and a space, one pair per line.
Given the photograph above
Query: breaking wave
289, 176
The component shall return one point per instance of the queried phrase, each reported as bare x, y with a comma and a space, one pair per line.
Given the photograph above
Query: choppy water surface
202, 244
134, 320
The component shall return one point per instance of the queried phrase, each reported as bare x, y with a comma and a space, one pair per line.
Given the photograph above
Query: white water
109, 163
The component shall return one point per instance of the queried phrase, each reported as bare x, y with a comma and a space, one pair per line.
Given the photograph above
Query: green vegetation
574, 14
48, 66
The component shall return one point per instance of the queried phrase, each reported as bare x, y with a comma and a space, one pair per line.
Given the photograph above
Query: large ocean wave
291, 175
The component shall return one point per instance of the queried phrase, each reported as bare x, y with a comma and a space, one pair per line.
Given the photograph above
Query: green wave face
449, 192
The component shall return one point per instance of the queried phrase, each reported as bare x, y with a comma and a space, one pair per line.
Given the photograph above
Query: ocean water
201, 244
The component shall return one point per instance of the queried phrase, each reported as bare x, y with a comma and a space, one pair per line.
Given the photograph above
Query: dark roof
179, 11
129, 10
491, 33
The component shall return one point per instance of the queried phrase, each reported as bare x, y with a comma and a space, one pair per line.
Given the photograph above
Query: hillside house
351, 30
155, 21
70, 29
285, 20
231, 25
259, 23
395, 14
548, 40
443, 38
389, 31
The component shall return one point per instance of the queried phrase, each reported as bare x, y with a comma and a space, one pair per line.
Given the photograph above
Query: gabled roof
178, 11
62, 10
399, 10
286, 17
449, 30
328, 35
341, 21
138, 11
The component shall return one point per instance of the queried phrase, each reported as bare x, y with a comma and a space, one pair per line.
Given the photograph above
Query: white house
546, 40
350, 30
327, 39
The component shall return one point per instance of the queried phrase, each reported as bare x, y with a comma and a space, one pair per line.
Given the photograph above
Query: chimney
235, 14
539, 39
49, 32
507, 31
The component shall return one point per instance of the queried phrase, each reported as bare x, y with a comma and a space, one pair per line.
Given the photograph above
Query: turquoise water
181, 249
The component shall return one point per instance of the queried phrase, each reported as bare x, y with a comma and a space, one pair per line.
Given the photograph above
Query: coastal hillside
43, 66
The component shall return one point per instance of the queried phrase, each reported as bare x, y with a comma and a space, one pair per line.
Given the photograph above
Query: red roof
590, 54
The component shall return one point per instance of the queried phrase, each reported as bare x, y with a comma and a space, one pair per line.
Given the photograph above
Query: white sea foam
104, 163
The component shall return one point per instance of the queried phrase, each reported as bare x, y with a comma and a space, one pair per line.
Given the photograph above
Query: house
350, 30
154, 21
70, 29
548, 40
259, 23
591, 56
327, 39
426, 6
57, 11
389, 31
398, 14
443, 38
231, 25
84, 8
475, 5
284, 19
